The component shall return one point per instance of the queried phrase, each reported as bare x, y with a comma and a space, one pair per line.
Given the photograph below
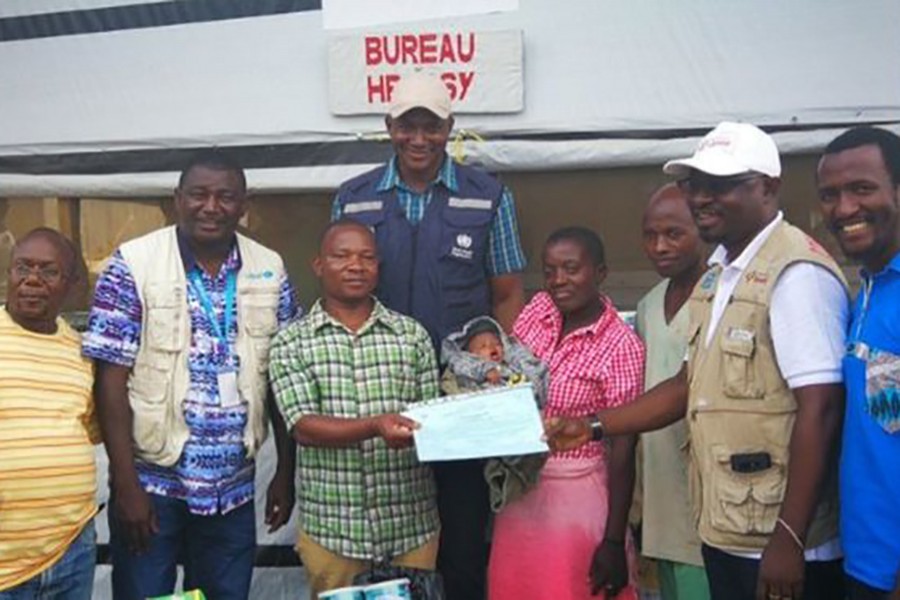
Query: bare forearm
661, 406
333, 432
621, 485
284, 445
116, 421
812, 452
507, 299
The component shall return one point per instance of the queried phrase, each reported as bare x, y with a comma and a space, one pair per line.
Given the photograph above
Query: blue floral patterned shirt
213, 474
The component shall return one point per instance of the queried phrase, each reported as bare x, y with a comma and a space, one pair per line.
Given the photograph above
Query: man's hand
396, 430
564, 433
782, 569
279, 500
135, 516
609, 569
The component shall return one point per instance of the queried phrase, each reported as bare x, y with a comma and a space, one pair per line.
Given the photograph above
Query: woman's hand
609, 568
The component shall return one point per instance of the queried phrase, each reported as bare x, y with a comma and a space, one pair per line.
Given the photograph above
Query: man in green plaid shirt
342, 375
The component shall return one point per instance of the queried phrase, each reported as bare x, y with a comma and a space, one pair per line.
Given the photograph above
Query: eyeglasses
713, 186
46, 273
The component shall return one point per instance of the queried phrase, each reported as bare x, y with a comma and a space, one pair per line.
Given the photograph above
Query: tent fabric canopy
106, 97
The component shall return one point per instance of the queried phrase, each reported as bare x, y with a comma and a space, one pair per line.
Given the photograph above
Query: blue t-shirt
870, 457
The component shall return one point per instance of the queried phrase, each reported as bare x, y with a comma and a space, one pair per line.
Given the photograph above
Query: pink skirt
543, 543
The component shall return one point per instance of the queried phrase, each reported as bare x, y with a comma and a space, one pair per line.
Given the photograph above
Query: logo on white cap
731, 149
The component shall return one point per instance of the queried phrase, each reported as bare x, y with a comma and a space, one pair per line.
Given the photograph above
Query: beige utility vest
159, 379
740, 404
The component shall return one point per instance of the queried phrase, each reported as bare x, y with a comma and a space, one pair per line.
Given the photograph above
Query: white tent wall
605, 84
612, 89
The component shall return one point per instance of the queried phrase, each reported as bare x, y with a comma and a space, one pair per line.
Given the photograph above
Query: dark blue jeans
217, 552
71, 578
857, 590
734, 577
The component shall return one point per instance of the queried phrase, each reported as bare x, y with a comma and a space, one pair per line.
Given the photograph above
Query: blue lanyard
855, 345
196, 282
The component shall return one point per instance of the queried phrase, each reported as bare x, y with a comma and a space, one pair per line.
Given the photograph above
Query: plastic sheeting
606, 84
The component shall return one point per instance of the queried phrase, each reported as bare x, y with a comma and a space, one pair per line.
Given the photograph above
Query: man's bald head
343, 224
68, 253
668, 200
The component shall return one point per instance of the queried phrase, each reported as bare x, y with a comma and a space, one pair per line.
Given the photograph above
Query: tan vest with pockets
739, 403
159, 379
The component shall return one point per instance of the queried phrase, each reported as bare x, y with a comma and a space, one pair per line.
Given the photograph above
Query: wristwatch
596, 426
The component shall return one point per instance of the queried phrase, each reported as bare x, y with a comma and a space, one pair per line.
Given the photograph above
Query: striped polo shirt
47, 436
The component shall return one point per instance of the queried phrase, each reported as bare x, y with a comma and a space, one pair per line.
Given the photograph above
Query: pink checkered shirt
592, 368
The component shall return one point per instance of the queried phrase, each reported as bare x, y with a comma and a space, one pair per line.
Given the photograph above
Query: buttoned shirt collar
720, 255
446, 176
318, 318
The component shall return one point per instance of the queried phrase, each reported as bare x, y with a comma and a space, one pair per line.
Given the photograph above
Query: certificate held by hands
504, 421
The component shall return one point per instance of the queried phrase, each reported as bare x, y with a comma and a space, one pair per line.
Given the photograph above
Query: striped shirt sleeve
505, 247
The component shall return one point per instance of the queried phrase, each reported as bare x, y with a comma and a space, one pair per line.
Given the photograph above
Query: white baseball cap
420, 90
731, 149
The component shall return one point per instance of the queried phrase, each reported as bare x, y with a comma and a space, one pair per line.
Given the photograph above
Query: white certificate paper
498, 422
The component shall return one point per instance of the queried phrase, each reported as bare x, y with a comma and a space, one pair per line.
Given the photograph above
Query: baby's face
487, 345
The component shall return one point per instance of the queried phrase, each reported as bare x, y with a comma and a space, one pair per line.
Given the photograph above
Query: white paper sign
482, 69
503, 421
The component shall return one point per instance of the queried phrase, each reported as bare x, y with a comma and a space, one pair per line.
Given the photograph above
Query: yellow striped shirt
47, 436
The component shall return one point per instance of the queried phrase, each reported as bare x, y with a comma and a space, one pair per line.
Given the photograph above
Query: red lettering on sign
428, 45
465, 56
423, 48
410, 46
373, 50
447, 54
381, 87
458, 83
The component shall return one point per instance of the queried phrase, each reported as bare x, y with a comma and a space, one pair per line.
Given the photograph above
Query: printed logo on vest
709, 280
263, 275
760, 277
462, 249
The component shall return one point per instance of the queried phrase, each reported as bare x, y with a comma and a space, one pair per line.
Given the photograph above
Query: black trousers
464, 510
857, 590
734, 578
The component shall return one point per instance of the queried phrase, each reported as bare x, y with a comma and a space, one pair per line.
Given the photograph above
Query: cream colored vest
159, 379
739, 404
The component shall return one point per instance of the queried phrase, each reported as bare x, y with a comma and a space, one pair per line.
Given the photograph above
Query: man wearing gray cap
761, 386
449, 251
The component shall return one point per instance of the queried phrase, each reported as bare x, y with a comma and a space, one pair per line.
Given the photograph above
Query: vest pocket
261, 314
740, 379
744, 503
883, 389
147, 389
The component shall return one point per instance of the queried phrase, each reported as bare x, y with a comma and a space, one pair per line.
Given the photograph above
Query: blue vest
436, 272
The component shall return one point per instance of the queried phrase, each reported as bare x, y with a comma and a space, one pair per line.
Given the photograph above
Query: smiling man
449, 251
342, 377
180, 328
761, 384
47, 472
859, 189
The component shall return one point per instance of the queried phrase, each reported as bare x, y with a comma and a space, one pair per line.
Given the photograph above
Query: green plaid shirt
366, 501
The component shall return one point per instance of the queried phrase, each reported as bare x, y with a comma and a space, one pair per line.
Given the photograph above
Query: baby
481, 356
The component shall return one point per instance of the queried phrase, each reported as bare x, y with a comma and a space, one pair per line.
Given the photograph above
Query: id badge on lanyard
882, 399
226, 378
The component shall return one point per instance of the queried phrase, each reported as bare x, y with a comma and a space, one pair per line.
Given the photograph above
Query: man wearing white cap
761, 385
449, 251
